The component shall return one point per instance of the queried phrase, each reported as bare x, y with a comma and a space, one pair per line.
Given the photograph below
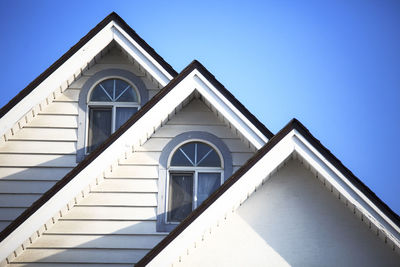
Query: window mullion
113, 119
195, 184
114, 90
195, 154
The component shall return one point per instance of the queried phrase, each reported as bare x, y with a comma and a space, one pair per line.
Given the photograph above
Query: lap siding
116, 222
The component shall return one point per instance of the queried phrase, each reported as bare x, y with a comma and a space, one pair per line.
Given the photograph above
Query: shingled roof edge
69, 176
111, 17
294, 124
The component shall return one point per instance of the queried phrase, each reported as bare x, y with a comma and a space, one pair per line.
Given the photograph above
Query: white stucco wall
292, 220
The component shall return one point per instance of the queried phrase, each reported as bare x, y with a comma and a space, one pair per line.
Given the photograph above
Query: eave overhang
194, 78
293, 138
70, 65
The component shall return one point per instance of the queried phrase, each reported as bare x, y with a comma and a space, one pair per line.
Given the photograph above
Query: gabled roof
83, 47
194, 77
295, 131
111, 17
272, 151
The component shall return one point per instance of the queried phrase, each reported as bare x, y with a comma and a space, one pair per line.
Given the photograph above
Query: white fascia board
345, 187
226, 203
246, 185
60, 75
229, 111
142, 127
112, 31
141, 56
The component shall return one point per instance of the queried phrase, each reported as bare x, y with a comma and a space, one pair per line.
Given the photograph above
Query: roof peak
113, 16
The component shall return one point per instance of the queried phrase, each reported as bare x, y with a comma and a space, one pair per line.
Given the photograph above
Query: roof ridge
85, 162
261, 127
45, 74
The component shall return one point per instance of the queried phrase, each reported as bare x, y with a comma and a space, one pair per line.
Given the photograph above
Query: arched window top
113, 90
111, 103
192, 166
97, 106
196, 154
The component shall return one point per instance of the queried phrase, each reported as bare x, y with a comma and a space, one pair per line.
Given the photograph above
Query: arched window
102, 111
195, 172
192, 166
110, 104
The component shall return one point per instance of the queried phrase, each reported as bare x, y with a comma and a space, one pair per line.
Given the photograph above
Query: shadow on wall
93, 242
24, 180
88, 233
292, 220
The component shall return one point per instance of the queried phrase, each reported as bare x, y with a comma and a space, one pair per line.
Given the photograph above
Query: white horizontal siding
128, 171
152, 93
104, 198
25, 186
142, 158
33, 173
171, 131
63, 108
195, 118
98, 241
10, 213
121, 65
4, 224
120, 212
18, 200
54, 121
239, 159
71, 95
46, 134
55, 256
128, 185
35, 160
111, 213
39, 147
103, 227
44, 150
40, 264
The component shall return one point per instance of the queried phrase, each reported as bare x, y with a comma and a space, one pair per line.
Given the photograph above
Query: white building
112, 158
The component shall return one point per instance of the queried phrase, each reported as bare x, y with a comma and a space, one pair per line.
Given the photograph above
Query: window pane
98, 94
108, 86
207, 184
179, 159
189, 151
99, 126
124, 92
184, 156
207, 156
123, 114
180, 196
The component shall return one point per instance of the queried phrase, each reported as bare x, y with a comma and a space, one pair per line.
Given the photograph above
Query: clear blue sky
334, 65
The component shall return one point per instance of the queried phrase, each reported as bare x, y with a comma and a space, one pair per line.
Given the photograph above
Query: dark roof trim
75, 171
293, 124
210, 200
261, 127
112, 17
347, 173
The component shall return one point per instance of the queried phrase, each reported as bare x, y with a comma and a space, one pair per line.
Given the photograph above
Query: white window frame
108, 104
193, 170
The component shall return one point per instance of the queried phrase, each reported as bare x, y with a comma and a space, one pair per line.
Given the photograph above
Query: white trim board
140, 130
247, 184
78, 61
